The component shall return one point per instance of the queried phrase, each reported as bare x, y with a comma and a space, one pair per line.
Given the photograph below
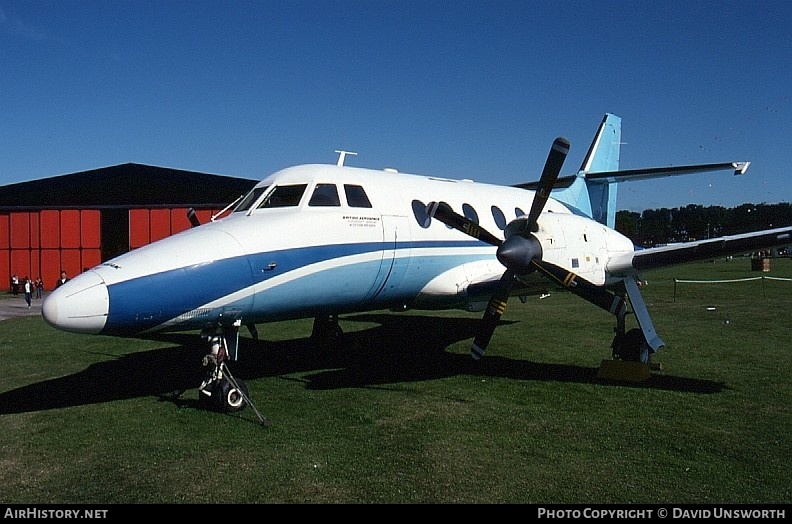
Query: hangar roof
126, 185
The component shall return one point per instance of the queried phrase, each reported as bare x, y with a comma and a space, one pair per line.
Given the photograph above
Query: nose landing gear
220, 390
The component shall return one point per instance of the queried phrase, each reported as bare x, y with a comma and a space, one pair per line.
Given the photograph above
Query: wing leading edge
657, 257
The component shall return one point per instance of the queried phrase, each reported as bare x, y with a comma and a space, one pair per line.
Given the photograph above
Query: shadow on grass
374, 356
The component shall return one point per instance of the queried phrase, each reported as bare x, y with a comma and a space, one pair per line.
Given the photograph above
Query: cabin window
470, 213
250, 199
421, 216
499, 217
518, 212
356, 196
325, 195
284, 196
575, 263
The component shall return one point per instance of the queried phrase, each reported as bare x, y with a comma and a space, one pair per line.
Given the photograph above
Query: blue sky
459, 89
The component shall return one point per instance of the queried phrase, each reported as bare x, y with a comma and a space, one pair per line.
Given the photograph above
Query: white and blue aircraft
318, 241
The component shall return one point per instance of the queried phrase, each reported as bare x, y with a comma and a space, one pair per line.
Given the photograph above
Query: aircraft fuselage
303, 255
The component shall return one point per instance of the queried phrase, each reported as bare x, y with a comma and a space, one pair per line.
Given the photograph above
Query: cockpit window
356, 196
250, 199
325, 195
284, 196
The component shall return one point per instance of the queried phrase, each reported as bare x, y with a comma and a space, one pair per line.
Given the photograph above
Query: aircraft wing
656, 257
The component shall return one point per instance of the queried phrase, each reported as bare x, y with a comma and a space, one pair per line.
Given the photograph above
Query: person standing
39, 287
15, 285
62, 280
28, 290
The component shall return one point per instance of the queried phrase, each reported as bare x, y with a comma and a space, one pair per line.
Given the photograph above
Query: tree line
695, 222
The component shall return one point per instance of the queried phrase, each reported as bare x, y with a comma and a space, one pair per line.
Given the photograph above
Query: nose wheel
220, 390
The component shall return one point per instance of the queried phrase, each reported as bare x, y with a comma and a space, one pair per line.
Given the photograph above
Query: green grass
403, 415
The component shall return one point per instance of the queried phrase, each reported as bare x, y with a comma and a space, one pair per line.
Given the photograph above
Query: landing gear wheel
326, 328
223, 396
228, 398
631, 346
220, 391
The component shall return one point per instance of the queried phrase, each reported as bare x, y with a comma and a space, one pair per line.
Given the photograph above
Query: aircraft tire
631, 347
230, 399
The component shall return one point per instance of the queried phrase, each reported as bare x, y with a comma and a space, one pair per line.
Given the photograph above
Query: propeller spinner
521, 252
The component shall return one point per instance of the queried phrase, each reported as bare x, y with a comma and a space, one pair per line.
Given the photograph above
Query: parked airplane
317, 241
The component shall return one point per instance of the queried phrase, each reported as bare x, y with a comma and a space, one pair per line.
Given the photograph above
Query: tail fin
603, 155
592, 191
596, 198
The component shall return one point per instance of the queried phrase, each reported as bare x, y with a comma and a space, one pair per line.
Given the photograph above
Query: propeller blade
555, 159
581, 287
443, 212
492, 315
193, 218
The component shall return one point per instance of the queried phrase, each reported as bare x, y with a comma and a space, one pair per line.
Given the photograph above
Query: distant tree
716, 217
690, 223
656, 226
629, 223
696, 222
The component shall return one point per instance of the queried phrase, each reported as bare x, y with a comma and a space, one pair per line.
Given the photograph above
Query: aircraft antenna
342, 155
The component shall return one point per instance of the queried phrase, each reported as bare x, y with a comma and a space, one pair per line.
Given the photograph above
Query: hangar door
42, 243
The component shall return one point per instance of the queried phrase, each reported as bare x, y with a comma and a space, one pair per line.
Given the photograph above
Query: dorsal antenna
342, 156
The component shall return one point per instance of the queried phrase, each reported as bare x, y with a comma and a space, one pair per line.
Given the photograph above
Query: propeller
193, 217
558, 153
449, 217
521, 253
492, 315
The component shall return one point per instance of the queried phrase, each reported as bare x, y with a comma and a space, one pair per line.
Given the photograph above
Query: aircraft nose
80, 305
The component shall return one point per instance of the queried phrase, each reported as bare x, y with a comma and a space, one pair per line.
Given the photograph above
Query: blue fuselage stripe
174, 293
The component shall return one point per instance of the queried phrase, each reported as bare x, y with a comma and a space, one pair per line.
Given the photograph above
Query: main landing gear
638, 344
326, 329
220, 390
630, 346
633, 349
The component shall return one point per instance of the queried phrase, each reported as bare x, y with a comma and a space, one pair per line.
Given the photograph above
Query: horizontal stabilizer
625, 175
629, 175
560, 183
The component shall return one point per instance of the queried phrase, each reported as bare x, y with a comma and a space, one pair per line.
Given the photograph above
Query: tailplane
592, 190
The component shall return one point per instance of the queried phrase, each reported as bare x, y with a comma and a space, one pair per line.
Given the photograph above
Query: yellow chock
624, 371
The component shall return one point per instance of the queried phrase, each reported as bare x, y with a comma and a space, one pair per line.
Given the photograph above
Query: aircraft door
395, 257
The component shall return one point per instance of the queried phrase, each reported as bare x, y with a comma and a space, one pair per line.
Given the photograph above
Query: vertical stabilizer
604, 156
597, 198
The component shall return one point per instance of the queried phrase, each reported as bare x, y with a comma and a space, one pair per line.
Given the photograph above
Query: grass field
403, 415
